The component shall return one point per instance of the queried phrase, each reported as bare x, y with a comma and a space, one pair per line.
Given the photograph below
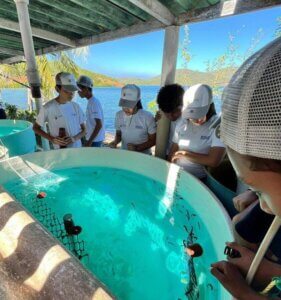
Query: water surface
133, 230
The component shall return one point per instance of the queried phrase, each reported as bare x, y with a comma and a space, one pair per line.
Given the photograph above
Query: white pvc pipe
274, 227
29, 53
169, 65
28, 46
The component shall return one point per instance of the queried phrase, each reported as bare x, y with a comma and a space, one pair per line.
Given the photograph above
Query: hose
274, 227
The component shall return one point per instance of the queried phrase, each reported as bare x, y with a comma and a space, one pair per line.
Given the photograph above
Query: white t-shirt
94, 111
197, 139
135, 129
68, 116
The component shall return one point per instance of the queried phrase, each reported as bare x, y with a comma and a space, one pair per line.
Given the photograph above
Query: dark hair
264, 164
139, 105
211, 112
170, 97
259, 163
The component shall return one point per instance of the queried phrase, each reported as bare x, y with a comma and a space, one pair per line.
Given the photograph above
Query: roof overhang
63, 25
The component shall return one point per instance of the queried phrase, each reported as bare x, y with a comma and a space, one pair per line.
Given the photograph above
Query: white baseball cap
130, 96
67, 81
85, 81
196, 101
251, 105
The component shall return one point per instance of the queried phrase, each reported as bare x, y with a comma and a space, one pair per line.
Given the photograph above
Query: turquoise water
4, 131
133, 230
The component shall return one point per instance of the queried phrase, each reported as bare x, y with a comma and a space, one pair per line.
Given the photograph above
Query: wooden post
169, 64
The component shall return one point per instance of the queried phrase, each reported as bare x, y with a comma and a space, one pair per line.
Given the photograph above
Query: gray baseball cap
130, 96
196, 101
85, 81
67, 81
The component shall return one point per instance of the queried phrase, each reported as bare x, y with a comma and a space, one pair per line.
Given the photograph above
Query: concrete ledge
34, 265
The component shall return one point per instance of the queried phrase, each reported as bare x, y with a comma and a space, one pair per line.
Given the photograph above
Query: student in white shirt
65, 118
170, 102
135, 127
94, 114
195, 143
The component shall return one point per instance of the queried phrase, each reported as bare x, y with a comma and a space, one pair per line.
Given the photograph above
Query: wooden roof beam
10, 51
138, 28
219, 10
155, 9
13, 60
43, 34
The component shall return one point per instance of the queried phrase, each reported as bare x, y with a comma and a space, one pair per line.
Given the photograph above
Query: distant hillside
99, 80
189, 77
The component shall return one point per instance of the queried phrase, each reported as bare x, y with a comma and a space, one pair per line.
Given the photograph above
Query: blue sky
141, 56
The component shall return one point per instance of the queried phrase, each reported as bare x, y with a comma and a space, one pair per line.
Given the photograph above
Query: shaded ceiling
64, 24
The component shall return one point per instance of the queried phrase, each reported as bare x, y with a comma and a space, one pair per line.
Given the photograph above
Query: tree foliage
14, 113
48, 67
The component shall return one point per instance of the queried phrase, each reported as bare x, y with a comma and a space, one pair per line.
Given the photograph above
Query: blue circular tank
16, 138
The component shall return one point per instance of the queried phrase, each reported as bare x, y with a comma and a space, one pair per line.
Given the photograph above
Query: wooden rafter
197, 15
215, 11
106, 10
13, 60
43, 34
155, 9
9, 51
62, 7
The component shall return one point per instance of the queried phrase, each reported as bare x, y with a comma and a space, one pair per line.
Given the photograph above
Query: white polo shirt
197, 139
135, 129
69, 116
94, 111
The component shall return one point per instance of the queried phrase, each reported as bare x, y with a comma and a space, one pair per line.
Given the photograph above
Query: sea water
108, 96
133, 230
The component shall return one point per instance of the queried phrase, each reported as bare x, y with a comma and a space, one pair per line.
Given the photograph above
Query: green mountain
101, 80
189, 77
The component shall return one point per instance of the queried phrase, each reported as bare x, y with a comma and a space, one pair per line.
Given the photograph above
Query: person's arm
266, 271
95, 132
55, 140
230, 277
151, 141
81, 120
244, 200
212, 159
117, 140
173, 150
78, 136
151, 136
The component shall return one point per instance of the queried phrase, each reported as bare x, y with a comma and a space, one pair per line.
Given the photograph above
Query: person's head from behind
251, 124
85, 85
198, 106
170, 101
66, 86
130, 100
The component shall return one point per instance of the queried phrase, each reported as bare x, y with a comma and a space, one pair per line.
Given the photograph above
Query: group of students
65, 118
251, 135
192, 142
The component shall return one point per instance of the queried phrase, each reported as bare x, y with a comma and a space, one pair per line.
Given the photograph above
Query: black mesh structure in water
44, 214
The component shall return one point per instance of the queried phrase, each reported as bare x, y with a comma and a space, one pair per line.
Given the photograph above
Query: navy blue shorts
97, 144
254, 226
